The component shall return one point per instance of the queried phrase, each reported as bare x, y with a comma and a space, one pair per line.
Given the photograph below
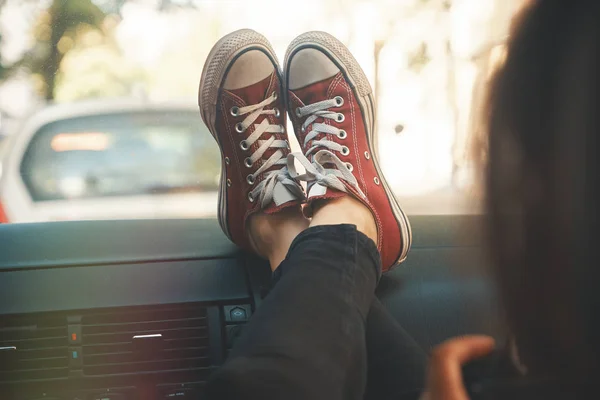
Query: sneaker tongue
281, 194
315, 92
256, 92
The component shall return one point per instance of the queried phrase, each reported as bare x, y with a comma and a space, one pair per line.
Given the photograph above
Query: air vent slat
35, 340
200, 348
143, 326
146, 363
158, 313
131, 357
36, 364
181, 333
33, 374
109, 347
33, 344
151, 366
48, 352
31, 333
126, 346
27, 321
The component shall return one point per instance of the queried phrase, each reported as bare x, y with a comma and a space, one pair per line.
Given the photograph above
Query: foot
240, 102
331, 105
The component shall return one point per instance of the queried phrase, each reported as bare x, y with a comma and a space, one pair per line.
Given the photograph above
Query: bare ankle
272, 234
345, 210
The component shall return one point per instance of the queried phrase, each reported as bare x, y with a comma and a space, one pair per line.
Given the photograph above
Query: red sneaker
240, 102
331, 105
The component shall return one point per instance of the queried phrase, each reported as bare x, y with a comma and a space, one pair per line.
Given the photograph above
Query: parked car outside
125, 159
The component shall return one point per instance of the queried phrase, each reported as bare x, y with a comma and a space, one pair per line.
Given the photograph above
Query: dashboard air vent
145, 340
33, 347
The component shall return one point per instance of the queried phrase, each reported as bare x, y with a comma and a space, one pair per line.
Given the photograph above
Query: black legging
321, 333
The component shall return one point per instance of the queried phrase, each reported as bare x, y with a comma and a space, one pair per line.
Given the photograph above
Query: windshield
428, 62
123, 154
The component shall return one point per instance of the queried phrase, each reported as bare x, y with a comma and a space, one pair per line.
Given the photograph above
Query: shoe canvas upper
371, 191
239, 207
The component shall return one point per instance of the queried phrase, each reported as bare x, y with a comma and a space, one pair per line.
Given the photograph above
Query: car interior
143, 297
120, 310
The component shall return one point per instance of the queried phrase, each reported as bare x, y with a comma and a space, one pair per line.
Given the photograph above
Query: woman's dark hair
542, 178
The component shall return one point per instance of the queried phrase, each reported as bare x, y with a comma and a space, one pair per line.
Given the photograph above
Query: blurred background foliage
79, 33
429, 61
82, 32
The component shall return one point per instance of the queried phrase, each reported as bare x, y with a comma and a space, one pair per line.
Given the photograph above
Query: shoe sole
216, 67
345, 61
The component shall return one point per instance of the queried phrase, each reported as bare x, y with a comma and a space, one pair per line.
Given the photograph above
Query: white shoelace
263, 192
325, 149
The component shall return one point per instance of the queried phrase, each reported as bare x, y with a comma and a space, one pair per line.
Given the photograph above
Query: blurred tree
55, 32
95, 64
96, 67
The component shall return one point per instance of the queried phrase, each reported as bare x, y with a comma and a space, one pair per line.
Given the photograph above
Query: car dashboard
144, 310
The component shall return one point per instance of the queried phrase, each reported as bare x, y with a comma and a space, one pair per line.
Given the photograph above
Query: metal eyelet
235, 111
339, 101
244, 145
248, 162
274, 95
277, 113
376, 180
227, 160
250, 197
298, 114
345, 151
367, 155
228, 182
340, 117
250, 179
303, 129
343, 134
350, 167
239, 128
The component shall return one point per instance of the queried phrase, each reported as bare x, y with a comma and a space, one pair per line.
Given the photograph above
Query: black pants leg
307, 340
396, 363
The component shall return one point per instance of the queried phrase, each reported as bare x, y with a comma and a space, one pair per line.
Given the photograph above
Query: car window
124, 154
429, 64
